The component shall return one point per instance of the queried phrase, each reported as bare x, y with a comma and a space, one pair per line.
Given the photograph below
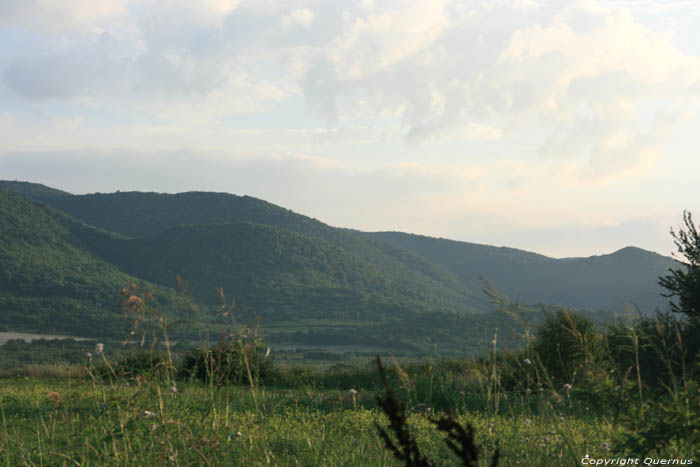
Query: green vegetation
124, 410
311, 284
49, 281
607, 282
684, 283
543, 385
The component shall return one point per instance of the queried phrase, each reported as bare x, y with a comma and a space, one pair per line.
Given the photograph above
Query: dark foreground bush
664, 349
233, 362
566, 343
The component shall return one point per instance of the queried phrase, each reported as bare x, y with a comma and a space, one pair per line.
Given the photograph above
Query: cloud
68, 16
301, 16
529, 112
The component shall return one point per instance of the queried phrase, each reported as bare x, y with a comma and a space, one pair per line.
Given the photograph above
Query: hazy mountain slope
273, 272
32, 190
138, 214
444, 272
48, 280
628, 276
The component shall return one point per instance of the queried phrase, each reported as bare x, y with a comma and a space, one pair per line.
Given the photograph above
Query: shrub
567, 343
684, 283
236, 361
663, 347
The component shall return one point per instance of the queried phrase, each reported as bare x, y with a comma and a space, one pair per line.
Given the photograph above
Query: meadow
73, 421
617, 394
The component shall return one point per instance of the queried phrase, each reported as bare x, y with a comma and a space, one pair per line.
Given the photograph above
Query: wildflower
567, 387
148, 414
527, 361
353, 394
99, 347
89, 356
133, 299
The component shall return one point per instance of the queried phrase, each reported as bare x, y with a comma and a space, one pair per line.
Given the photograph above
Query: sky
568, 128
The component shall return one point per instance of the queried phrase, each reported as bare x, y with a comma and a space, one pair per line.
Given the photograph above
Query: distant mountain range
64, 258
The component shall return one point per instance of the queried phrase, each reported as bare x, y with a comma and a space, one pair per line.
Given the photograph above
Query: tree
684, 283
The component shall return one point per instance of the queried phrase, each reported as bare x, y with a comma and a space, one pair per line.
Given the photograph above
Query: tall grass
630, 388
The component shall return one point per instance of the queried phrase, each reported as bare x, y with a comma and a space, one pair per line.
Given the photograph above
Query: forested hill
143, 215
315, 264
49, 280
32, 190
276, 273
612, 281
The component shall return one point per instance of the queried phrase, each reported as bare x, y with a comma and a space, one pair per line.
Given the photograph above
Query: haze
565, 128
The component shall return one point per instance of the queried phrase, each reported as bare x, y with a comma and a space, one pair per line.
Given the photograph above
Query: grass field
79, 422
574, 395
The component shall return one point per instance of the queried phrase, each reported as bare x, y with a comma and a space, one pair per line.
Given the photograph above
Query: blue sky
565, 128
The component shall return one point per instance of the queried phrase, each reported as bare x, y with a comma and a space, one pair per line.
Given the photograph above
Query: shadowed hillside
141, 215
49, 280
628, 276
311, 283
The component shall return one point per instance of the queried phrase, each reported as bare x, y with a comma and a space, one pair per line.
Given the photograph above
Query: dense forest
65, 258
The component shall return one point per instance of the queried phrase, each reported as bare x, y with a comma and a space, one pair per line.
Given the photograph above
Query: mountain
606, 282
145, 215
64, 258
32, 190
274, 272
49, 280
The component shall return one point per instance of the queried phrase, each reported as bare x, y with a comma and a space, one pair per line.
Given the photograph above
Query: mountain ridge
302, 275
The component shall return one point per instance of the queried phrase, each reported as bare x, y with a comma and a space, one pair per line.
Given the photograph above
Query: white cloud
513, 111
301, 16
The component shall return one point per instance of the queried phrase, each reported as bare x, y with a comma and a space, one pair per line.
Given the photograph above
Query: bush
665, 347
684, 283
566, 343
237, 362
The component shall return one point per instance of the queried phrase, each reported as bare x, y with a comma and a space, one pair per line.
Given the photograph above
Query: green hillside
49, 281
312, 284
444, 272
32, 190
628, 276
142, 215
274, 272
